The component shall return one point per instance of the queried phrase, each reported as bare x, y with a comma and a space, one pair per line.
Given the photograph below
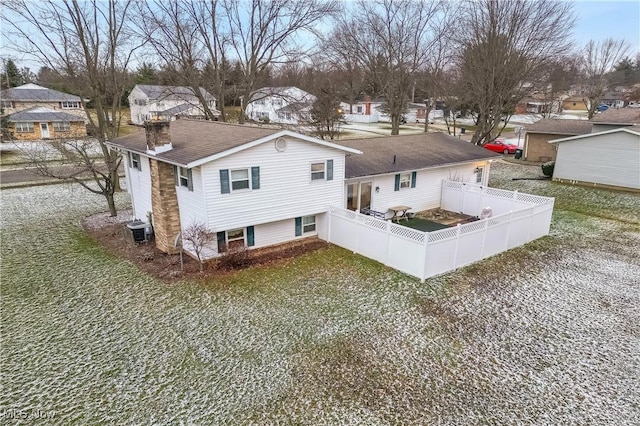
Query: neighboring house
167, 103
536, 141
284, 105
575, 103
30, 95
610, 158
257, 187
616, 118
537, 104
45, 123
365, 111
416, 113
614, 99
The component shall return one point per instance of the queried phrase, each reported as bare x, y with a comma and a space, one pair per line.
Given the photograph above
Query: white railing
517, 219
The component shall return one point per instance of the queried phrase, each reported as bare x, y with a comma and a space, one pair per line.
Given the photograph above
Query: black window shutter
250, 236
221, 241
224, 181
190, 179
329, 169
175, 176
298, 226
397, 186
414, 175
255, 178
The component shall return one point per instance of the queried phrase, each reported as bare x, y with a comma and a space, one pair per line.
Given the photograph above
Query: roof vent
280, 144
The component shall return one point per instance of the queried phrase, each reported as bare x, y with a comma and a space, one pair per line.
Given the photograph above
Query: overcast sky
600, 19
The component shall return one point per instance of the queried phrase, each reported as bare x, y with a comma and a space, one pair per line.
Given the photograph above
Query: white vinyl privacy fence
517, 219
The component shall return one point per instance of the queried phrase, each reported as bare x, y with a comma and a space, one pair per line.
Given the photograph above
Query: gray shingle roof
35, 93
194, 140
412, 152
560, 127
183, 93
36, 115
624, 116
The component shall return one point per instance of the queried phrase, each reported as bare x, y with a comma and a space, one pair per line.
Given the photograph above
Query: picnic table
399, 212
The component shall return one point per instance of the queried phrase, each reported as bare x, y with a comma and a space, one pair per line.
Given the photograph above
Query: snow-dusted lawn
548, 333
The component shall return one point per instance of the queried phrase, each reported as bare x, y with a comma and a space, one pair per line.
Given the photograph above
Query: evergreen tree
11, 75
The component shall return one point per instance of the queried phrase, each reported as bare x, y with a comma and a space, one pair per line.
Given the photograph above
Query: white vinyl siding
608, 159
139, 183
192, 203
285, 187
425, 195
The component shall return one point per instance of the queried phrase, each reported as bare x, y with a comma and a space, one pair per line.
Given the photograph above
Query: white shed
609, 158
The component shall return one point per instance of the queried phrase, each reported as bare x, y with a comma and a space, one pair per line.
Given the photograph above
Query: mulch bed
110, 233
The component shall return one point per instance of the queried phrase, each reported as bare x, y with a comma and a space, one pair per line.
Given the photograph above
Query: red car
499, 145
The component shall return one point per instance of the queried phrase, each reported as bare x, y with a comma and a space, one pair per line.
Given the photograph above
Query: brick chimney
164, 203
158, 136
367, 105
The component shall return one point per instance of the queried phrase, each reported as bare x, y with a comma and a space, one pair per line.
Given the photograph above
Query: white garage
609, 158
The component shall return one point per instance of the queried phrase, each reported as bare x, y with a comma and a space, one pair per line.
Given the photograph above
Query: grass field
548, 333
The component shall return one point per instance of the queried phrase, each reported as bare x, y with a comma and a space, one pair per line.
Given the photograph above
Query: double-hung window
61, 126
134, 161
405, 180
24, 128
183, 177
479, 172
240, 179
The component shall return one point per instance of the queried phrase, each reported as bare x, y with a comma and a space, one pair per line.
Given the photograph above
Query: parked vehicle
602, 107
500, 145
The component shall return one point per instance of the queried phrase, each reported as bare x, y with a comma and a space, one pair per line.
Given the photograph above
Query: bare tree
506, 43
197, 238
391, 40
326, 114
88, 44
597, 60
263, 33
177, 31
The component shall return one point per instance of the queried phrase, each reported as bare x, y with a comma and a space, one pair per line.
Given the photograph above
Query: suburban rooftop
560, 127
628, 116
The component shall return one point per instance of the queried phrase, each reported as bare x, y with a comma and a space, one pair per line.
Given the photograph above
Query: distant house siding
538, 148
610, 159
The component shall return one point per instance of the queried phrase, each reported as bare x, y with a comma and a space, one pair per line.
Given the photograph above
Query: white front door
44, 130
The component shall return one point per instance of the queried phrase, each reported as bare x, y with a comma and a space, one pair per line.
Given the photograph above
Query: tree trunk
395, 124
112, 204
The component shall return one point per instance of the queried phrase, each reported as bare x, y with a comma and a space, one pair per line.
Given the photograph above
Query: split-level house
167, 103
256, 187
34, 112
284, 105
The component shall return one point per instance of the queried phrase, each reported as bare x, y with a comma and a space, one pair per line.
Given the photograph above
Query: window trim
479, 174
230, 240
